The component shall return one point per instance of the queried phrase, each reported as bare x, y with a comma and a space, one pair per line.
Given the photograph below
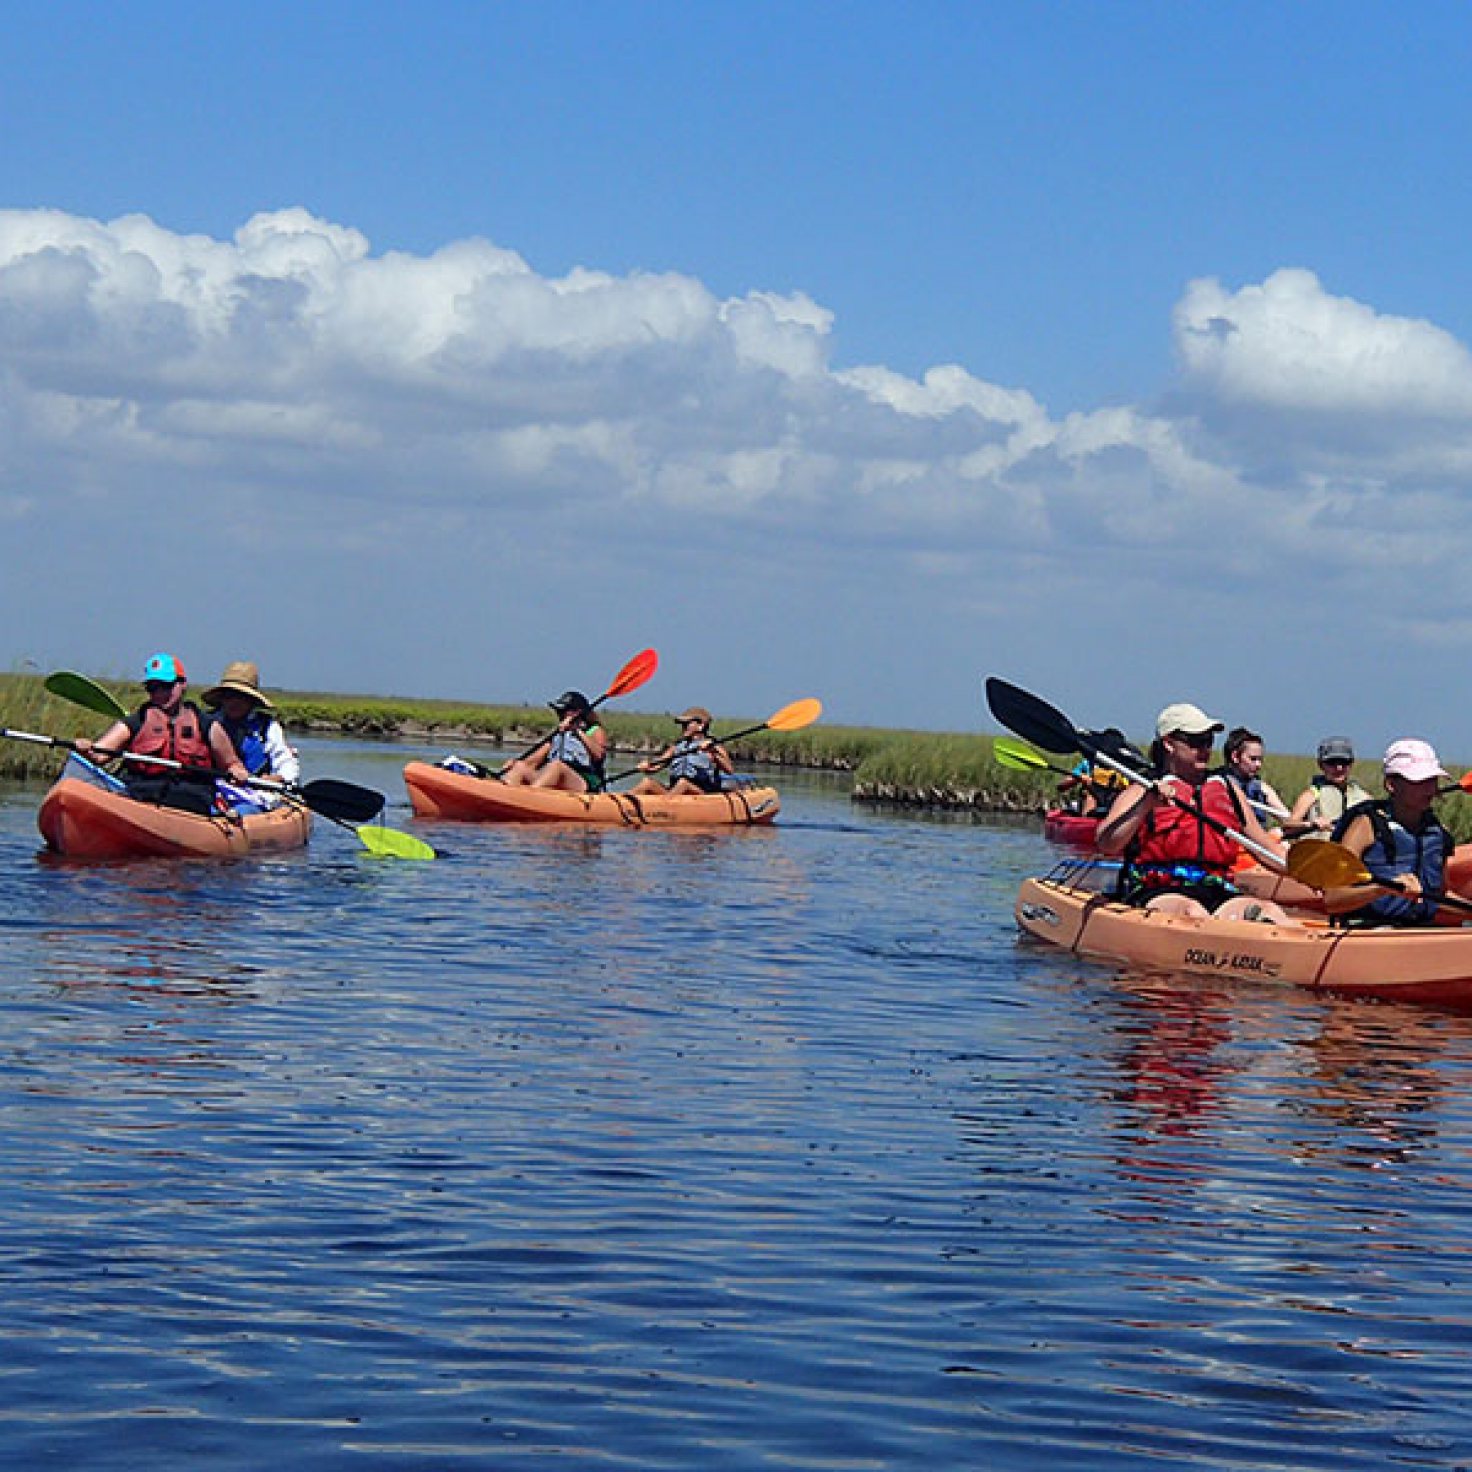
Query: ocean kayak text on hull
1431, 966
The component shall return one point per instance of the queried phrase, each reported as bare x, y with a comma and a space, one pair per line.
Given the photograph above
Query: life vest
248, 737
693, 761
1171, 834
569, 748
1395, 852
179, 738
1332, 802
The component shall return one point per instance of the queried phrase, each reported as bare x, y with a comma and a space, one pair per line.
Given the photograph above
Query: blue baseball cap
163, 668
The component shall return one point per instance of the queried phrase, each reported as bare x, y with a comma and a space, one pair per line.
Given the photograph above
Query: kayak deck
1432, 966
436, 792
85, 821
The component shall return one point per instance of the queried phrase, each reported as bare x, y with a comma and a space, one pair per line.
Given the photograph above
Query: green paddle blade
1020, 757
390, 843
79, 690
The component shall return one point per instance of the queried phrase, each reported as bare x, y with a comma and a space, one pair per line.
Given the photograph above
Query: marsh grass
26, 706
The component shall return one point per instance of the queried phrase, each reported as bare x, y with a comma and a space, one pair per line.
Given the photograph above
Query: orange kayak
437, 793
1432, 966
85, 821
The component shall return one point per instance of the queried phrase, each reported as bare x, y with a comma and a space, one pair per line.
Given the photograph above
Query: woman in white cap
1397, 837
1330, 795
237, 705
696, 761
1173, 859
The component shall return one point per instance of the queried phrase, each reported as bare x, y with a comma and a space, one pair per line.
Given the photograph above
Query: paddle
638, 671
334, 799
1047, 727
790, 718
79, 690
1022, 758
1322, 864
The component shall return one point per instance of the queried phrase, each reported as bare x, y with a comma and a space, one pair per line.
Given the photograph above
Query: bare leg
1244, 907
1177, 904
560, 776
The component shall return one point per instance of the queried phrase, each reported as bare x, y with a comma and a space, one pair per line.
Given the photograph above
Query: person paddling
697, 762
174, 729
572, 757
1397, 837
1173, 860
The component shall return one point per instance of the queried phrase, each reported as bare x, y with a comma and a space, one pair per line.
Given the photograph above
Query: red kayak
1074, 830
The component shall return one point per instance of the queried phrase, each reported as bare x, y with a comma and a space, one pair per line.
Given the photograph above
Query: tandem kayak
1432, 967
1074, 830
438, 793
86, 821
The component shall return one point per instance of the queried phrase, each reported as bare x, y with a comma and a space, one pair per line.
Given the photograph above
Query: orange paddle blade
635, 673
795, 716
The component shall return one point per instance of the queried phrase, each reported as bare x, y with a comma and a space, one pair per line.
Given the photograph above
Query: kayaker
1329, 795
1173, 860
696, 761
1242, 757
572, 757
236, 703
168, 726
1092, 786
1397, 837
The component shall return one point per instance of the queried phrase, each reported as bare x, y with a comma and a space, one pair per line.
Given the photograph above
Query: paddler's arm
111, 743
1347, 898
222, 748
1126, 814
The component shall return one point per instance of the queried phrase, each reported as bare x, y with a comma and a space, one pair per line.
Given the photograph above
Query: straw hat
240, 678
695, 713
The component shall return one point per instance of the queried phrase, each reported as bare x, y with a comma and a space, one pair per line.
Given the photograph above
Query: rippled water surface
723, 1150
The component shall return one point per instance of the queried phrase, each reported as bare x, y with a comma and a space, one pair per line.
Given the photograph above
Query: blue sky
851, 350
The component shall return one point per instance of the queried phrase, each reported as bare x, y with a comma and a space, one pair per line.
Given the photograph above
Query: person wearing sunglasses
1329, 795
174, 729
1173, 859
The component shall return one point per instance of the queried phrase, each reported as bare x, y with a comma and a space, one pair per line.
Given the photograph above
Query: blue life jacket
696, 764
249, 739
1396, 852
569, 748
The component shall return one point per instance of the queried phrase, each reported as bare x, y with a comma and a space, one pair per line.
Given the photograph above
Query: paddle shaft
332, 794
634, 674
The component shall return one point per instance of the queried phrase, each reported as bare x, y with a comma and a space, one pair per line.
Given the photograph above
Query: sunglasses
1201, 741
1336, 761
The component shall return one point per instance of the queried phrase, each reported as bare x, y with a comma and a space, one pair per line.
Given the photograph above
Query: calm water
743, 1150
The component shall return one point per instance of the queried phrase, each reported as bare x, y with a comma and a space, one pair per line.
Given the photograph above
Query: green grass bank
902, 768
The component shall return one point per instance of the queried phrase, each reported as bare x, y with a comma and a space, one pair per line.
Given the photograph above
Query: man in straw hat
237, 705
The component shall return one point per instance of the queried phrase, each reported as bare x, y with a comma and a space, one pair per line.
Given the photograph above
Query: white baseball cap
1189, 720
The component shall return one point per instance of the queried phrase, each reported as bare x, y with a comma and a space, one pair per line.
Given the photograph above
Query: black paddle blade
1113, 742
1037, 722
342, 802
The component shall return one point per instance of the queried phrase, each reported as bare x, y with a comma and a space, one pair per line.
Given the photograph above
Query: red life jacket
1171, 835
180, 738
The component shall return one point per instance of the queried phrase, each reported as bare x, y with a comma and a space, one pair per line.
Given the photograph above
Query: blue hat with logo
163, 668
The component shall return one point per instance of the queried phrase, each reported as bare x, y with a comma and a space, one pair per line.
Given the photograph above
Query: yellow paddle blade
390, 843
795, 716
1321, 864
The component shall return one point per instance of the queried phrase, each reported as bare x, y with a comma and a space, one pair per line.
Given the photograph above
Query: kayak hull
84, 821
1428, 967
437, 793
1072, 830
